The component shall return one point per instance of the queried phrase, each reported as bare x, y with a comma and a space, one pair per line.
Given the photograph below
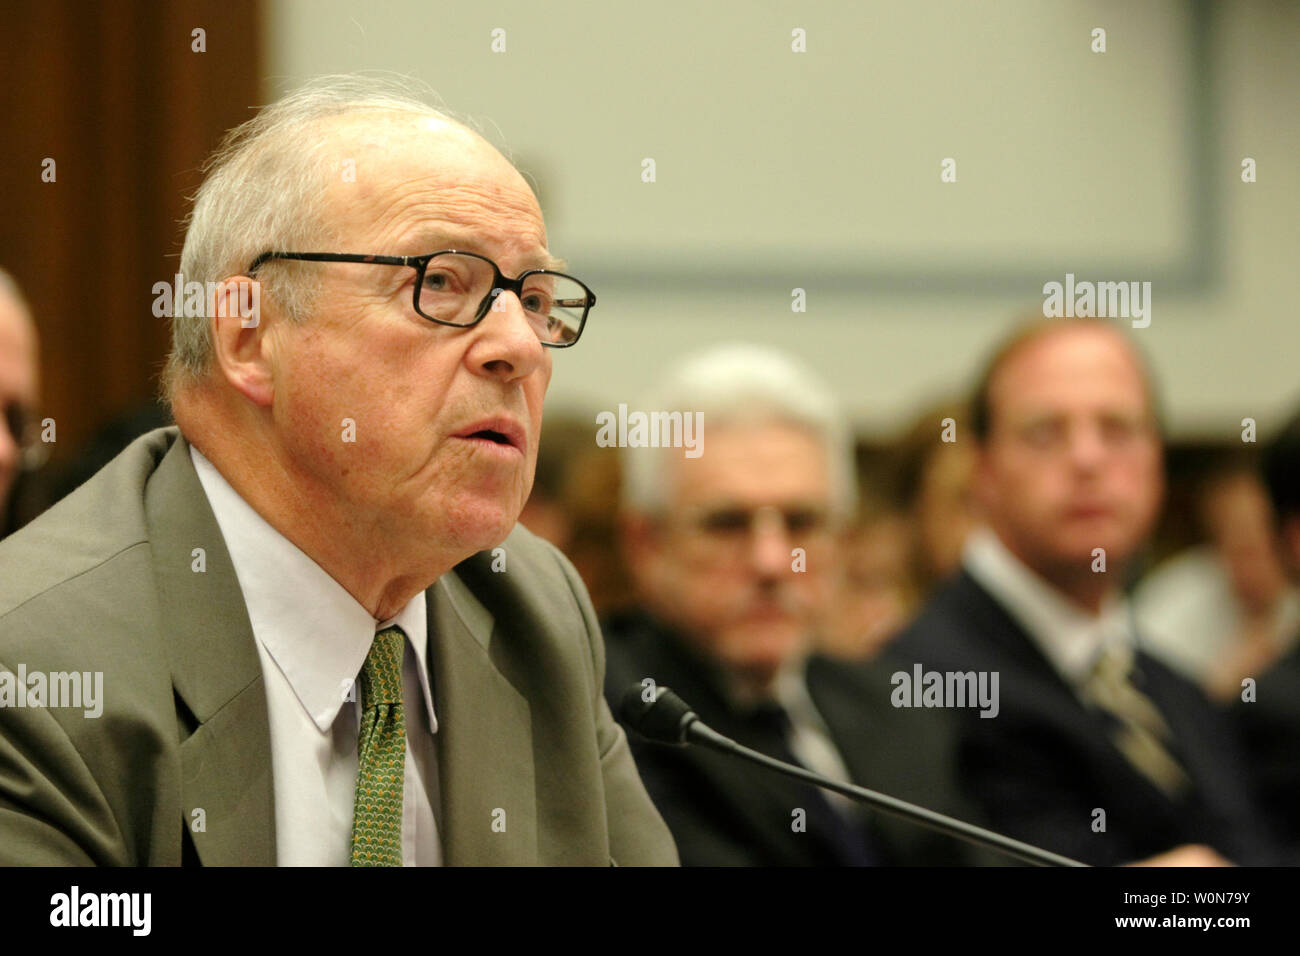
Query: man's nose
770, 544
507, 346
1087, 447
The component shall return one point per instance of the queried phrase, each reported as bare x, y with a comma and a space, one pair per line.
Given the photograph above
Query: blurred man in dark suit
1270, 716
733, 553
1098, 751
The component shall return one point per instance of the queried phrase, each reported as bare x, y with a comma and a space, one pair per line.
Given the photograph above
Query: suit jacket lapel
1005, 633
226, 761
1090, 728
755, 796
484, 740
485, 753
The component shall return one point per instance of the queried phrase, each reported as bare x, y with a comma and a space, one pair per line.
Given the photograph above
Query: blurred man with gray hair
321, 637
734, 555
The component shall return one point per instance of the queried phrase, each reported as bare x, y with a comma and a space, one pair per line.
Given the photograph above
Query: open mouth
496, 433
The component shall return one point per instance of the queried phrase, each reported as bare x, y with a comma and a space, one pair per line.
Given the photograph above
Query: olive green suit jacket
177, 769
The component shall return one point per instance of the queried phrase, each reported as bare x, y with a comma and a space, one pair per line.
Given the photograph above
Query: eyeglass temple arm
337, 257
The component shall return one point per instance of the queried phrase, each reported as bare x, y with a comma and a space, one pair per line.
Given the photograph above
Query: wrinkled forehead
408, 175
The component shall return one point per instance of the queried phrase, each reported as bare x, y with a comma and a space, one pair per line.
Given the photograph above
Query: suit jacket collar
317, 633
1000, 631
694, 677
986, 615
227, 798
484, 741
855, 716
1068, 636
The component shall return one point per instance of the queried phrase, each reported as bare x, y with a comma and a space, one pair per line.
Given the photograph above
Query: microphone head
664, 718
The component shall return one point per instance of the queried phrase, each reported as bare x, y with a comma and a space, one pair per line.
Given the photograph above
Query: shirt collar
316, 632
785, 689
791, 692
1070, 638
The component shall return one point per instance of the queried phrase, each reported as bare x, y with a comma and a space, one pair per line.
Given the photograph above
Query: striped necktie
381, 748
1140, 731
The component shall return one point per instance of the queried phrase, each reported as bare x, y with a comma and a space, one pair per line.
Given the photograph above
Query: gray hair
735, 384
265, 189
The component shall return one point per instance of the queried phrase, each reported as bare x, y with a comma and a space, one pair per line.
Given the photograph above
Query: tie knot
1114, 664
771, 717
381, 675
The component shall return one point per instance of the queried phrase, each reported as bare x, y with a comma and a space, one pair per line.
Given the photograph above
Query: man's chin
478, 528
1095, 556
488, 537
765, 651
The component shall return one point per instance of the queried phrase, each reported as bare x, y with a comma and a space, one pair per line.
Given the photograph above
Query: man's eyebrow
427, 242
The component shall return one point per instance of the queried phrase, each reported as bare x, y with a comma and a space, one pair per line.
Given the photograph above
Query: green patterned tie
377, 813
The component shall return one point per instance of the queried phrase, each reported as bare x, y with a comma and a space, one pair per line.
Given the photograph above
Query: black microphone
666, 718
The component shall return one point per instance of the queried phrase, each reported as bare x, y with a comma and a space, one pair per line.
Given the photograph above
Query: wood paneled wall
118, 97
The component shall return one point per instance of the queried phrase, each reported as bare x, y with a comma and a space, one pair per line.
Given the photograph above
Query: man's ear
241, 341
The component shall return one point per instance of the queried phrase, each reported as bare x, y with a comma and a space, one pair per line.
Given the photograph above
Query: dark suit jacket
1270, 732
725, 812
1041, 767
104, 582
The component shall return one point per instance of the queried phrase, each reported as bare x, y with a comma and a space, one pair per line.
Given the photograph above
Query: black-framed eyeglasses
726, 533
738, 522
460, 288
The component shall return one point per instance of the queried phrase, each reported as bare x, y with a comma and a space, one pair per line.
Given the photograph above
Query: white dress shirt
312, 639
1070, 638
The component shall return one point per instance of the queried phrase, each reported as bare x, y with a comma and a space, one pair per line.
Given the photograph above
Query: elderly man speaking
302, 627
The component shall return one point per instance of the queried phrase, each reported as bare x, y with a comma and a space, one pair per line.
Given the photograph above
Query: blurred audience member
108, 441
1270, 715
733, 554
934, 483
547, 512
1097, 751
1225, 610
574, 505
24, 491
875, 595
19, 390
595, 478
59, 479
